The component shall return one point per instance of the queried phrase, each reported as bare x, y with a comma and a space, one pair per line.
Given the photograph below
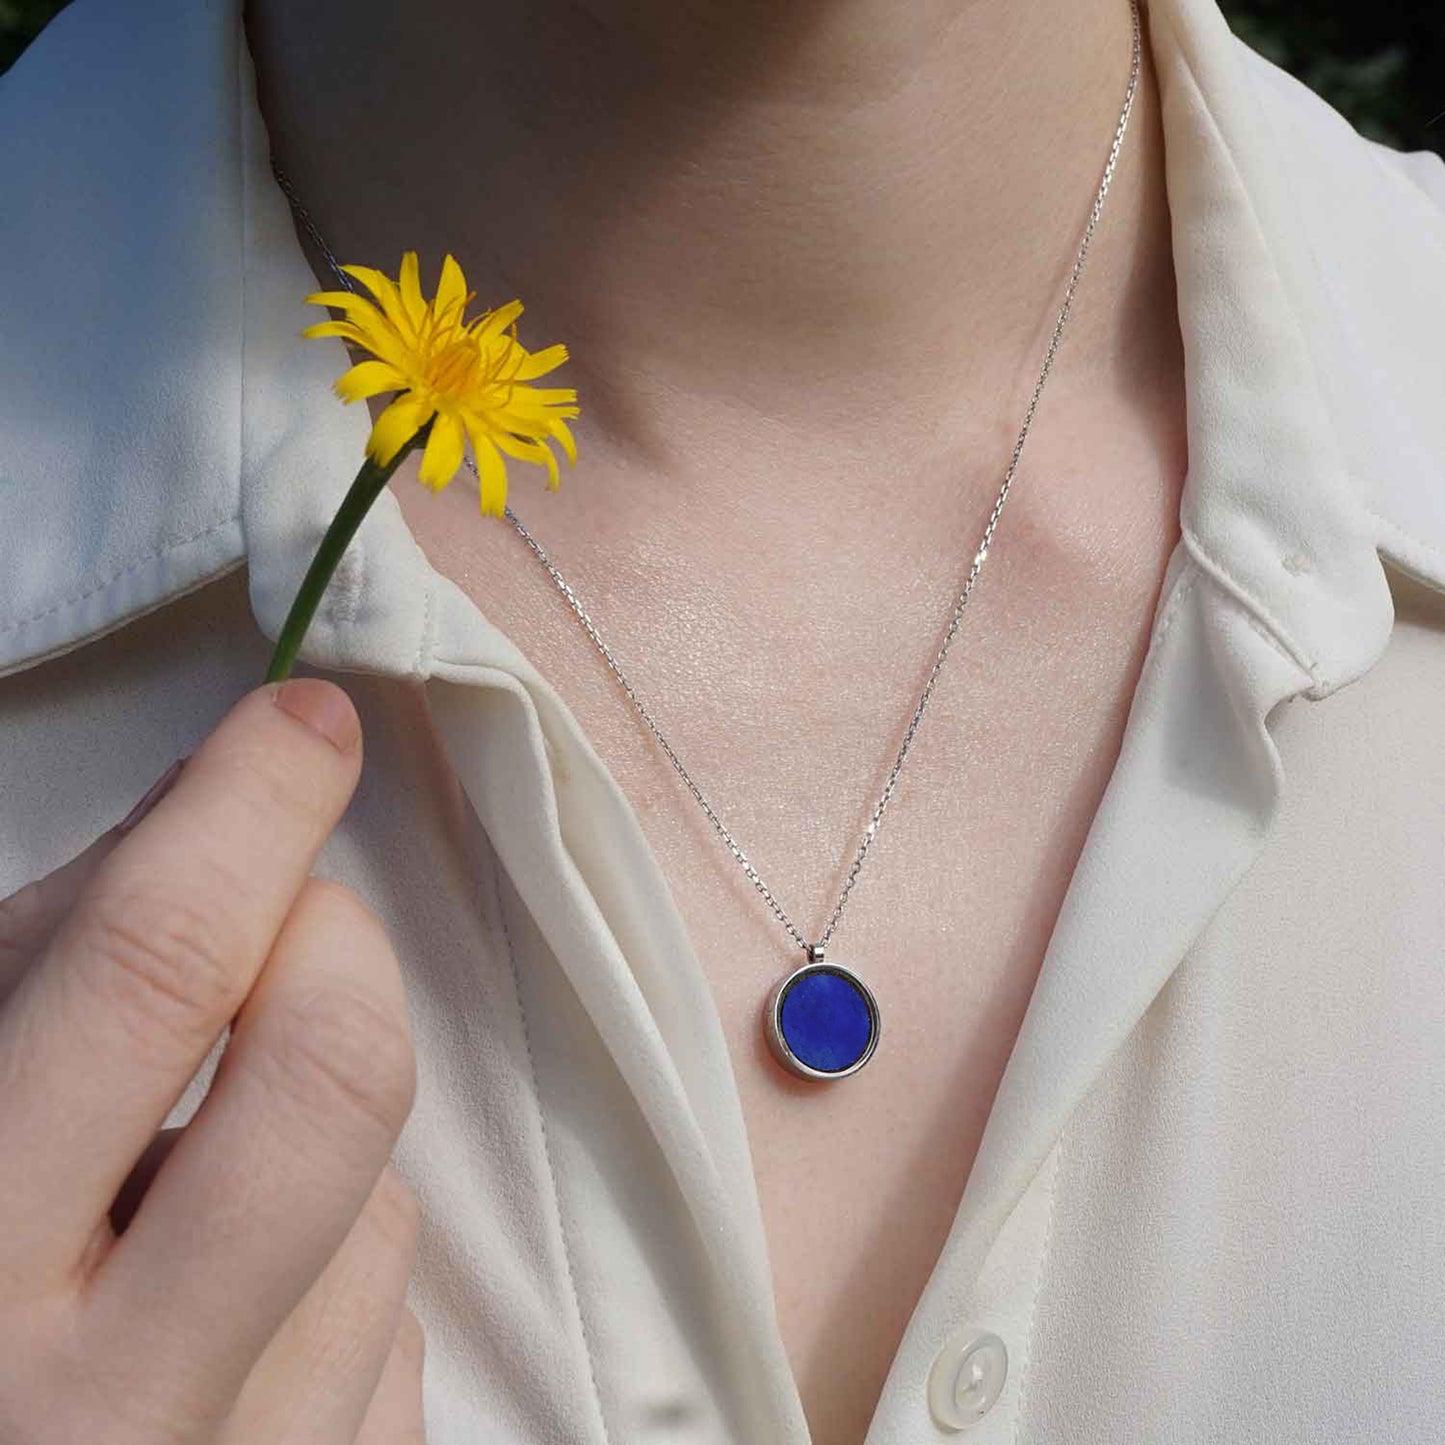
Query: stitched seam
115, 577
1270, 638
1229, 584
587, 1347
1259, 627
424, 645
1173, 608
1182, 588
1401, 534
1039, 1283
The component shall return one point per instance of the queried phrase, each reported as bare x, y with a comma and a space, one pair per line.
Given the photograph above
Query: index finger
104, 1032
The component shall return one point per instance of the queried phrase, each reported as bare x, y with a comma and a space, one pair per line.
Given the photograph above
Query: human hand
242, 1279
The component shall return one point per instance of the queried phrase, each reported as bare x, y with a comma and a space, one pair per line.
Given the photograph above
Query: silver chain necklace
821, 1020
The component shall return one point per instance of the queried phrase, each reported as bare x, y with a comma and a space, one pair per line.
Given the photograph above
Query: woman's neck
851, 218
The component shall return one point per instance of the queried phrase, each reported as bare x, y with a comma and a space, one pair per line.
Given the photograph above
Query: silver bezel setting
773, 1023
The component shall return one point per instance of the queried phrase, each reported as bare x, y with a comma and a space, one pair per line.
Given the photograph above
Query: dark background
1381, 62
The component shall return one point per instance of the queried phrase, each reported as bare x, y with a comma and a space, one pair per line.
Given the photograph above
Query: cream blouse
1208, 1201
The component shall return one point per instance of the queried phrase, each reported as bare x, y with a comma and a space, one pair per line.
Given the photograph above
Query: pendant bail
815, 953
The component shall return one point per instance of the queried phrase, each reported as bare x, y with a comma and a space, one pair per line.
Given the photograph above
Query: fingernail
323, 707
151, 797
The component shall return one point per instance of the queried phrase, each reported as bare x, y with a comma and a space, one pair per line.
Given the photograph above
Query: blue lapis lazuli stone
826, 1021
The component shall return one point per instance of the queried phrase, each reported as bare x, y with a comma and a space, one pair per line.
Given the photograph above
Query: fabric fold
577, 858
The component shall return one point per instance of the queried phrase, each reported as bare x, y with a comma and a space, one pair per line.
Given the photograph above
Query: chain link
871, 831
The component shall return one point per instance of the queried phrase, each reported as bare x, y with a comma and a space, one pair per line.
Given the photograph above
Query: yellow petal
385, 290
451, 289
410, 287
559, 430
523, 448
531, 451
347, 301
495, 322
547, 395
527, 401
396, 426
491, 471
371, 332
443, 454
367, 378
538, 363
347, 329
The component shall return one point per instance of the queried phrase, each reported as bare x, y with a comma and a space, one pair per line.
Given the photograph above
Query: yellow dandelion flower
456, 382
469, 379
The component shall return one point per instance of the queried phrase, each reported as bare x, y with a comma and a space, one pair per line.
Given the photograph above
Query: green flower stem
370, 482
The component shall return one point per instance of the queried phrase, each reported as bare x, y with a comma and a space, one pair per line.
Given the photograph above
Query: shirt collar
1315, 434
163, 421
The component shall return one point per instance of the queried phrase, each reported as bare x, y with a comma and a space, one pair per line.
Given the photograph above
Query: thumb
29, 918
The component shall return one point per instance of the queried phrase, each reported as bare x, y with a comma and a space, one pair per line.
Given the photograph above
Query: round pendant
822, 1021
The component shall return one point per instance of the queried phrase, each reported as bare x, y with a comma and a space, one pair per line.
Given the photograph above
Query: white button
966, 1378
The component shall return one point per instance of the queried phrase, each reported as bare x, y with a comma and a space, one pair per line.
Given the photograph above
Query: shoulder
1327, 147
162, 423
119, 360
